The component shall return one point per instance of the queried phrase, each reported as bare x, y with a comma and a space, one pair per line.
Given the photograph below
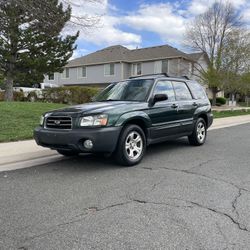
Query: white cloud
162, 19
78, 53
197, 7
168, 20
246, 15
107, 31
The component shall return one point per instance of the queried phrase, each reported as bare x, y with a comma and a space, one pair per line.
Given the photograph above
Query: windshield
130, 90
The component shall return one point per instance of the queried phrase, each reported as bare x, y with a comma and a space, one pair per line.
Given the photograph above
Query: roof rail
159, 74
186, 77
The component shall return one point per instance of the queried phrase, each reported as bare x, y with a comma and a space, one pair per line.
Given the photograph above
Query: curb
44, 156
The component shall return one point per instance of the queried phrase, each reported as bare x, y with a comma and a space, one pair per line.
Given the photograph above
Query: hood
100, 107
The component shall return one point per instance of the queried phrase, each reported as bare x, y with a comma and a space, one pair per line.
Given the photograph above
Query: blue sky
142, 23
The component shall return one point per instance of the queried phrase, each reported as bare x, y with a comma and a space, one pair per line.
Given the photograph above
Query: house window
158, 67
136, 69
164, 66
161, 67
65, 73
109, 69
51, 76
82, 72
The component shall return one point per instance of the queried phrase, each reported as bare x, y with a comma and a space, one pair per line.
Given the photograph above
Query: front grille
59, 122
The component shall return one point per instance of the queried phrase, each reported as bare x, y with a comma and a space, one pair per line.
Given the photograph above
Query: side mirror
159, 98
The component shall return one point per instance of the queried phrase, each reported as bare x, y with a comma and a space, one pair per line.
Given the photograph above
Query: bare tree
208, 33
82, 20
236, 61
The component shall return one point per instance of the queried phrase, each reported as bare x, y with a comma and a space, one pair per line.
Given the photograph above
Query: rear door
164, 115
186, 106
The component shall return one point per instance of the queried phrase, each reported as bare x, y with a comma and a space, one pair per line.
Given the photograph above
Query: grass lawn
222, 114
18, 119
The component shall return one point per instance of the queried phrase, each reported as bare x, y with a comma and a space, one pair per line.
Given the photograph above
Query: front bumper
104, 139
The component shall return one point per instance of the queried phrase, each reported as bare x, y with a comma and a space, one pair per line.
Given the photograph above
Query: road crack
238, 224
81, 216
159, 203
94, 209
234, 202
189, 171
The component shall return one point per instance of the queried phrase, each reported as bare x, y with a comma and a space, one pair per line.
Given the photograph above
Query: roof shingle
119, 53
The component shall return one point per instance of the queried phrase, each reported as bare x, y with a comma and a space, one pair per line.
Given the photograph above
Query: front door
164, 114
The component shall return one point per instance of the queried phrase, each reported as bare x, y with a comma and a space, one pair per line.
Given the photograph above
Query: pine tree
31, 43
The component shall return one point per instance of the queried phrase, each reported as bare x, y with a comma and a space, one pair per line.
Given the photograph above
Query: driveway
179, 197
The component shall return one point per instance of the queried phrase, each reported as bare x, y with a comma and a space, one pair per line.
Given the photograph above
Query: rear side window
182, 92
165, 87
197, 90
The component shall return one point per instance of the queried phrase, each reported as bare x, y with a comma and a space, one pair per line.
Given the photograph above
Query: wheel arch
203, 116
140, 119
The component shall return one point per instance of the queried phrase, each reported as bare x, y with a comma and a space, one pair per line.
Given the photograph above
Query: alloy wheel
134, 145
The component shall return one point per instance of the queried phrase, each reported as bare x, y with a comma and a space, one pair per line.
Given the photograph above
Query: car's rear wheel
67, 152
199, 134
131, 146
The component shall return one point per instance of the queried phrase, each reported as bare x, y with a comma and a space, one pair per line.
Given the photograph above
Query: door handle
174, 106
195, 104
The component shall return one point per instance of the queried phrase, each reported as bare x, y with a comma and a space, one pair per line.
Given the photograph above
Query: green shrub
221, 100
1, 96
32, 97
18, 96
70, 95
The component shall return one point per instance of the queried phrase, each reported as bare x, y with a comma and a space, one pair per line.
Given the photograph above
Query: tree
1, 81
208, 32
31, 43
82, 20
245, 86
236, 60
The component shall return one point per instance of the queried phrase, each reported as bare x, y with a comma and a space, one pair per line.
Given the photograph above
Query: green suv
128, 116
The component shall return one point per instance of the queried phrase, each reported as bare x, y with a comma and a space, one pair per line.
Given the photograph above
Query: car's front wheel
131, 146
67, 152
199, 135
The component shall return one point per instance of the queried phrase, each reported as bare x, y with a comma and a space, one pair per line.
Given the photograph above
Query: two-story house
116, 63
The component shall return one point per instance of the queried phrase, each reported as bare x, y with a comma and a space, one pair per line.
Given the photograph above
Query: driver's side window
165, 87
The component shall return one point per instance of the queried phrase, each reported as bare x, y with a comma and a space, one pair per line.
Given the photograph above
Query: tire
199, 135
67, 152
131, 146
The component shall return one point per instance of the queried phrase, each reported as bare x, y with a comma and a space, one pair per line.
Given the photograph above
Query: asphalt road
179, 197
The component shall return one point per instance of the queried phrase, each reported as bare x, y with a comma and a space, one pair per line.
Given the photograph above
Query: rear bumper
104, 139
210, 119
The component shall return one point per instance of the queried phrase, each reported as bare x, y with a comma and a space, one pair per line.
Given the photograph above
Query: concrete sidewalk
15, 155
230, 121
229, 108
27, 153
22, 150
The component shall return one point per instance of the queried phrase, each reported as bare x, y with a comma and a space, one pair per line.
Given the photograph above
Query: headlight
97, 120
42, 120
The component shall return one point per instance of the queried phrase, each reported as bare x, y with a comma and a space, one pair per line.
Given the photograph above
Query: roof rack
186, 77
159, 74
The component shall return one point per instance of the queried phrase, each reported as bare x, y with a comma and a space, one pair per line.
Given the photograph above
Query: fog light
88, 144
